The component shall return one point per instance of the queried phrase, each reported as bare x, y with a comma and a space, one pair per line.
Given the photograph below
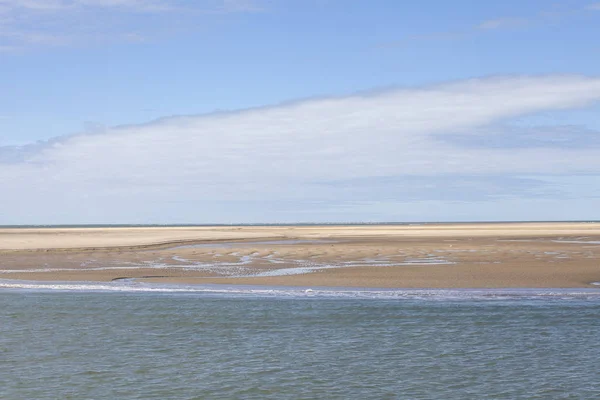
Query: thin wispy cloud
47, 23
552, 15
241, 6
433, 37
487, 25
594, 7
501, 23
74, 5
306, 152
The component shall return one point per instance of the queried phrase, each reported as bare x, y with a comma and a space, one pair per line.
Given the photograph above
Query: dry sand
481, 255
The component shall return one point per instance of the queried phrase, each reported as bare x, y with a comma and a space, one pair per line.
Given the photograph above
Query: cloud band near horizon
389, 146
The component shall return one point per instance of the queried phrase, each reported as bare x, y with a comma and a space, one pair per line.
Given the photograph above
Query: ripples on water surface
145, 345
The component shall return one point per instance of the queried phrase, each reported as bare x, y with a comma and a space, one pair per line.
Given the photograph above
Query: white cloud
285, 153
594, 6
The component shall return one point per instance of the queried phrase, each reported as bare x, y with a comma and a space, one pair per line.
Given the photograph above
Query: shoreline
444, 256
296, 292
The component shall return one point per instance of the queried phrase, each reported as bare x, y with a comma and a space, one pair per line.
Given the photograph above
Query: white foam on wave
131, 286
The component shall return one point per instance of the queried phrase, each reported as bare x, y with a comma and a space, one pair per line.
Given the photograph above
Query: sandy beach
482, 255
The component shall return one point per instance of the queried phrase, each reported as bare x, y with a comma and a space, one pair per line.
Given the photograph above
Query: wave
132, 286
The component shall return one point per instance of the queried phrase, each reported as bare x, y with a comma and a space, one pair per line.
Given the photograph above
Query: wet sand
506, 255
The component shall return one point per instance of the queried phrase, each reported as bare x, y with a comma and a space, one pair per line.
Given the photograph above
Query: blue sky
159, 111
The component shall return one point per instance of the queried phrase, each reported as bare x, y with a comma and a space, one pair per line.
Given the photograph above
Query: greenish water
196, 345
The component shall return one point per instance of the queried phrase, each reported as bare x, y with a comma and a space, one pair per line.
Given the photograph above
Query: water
82, 343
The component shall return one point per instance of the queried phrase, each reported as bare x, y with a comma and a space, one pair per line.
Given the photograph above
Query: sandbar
475, 255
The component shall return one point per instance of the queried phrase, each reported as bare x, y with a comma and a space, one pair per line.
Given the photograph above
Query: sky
282, 111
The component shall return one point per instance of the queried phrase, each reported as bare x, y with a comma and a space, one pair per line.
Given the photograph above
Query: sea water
133, 341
